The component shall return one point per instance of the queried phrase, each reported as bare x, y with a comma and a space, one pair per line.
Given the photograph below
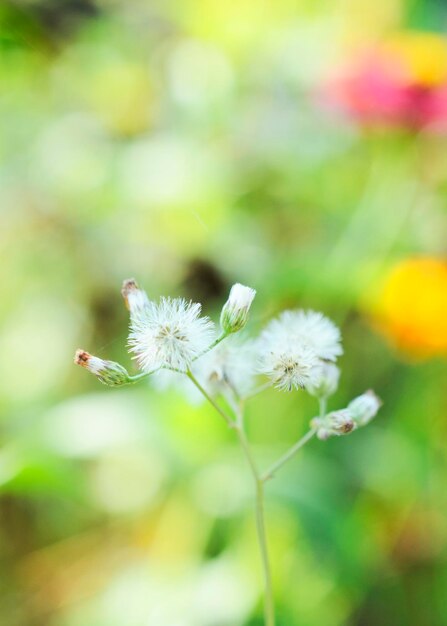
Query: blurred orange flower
412, 307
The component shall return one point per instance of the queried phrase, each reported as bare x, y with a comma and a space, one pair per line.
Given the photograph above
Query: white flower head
311, 329
289, 366
170, 333
230, 366
135, 298
234, 313
364, 407
327, 382
108, 372
294, 345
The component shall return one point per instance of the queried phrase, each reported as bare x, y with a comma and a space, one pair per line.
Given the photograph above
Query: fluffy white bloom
307, 328
169, 333
108, 372
293, 346
234, 314
229, 366
289, 365
364, 407
327, 381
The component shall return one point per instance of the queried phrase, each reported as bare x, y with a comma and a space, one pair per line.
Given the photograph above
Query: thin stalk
237, 425
230, 423
138, 377
135, 379
212, 345
269, 607
297, 446
287, 456
323, 406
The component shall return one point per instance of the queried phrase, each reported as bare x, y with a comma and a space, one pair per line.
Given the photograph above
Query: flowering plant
297, 350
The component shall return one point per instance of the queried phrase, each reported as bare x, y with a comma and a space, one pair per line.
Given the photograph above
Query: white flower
170, 334
234, 314
288, 365
229, 366
108, 372
294, 345
364, 407
308, 328
327, 381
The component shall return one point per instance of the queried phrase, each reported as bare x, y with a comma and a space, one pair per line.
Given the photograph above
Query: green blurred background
186, 143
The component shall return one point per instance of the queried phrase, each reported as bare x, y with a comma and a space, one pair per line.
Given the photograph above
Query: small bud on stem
364, 407
136, 299
107, 372
334, 424
234, 314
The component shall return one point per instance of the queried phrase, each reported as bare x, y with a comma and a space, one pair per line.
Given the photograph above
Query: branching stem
287, 456
230, 422
237, 425
215, 343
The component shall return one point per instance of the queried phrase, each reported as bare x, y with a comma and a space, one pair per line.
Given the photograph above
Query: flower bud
136, 299
107, 372
326, 383
341, 421
364, 407
324, 433
334, 424
234, 314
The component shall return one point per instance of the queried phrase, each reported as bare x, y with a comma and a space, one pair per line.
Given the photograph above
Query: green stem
294, 449
135, 379
230, 423
269, 607
287, 456
237, 425
211, 346
323, 406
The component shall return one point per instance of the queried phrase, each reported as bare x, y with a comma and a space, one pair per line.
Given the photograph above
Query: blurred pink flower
400, 82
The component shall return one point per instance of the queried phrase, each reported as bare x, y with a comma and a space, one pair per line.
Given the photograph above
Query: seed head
170, 333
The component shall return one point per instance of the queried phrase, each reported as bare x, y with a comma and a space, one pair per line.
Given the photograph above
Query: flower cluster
296, 350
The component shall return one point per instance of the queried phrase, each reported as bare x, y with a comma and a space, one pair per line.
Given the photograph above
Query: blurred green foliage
185, 143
